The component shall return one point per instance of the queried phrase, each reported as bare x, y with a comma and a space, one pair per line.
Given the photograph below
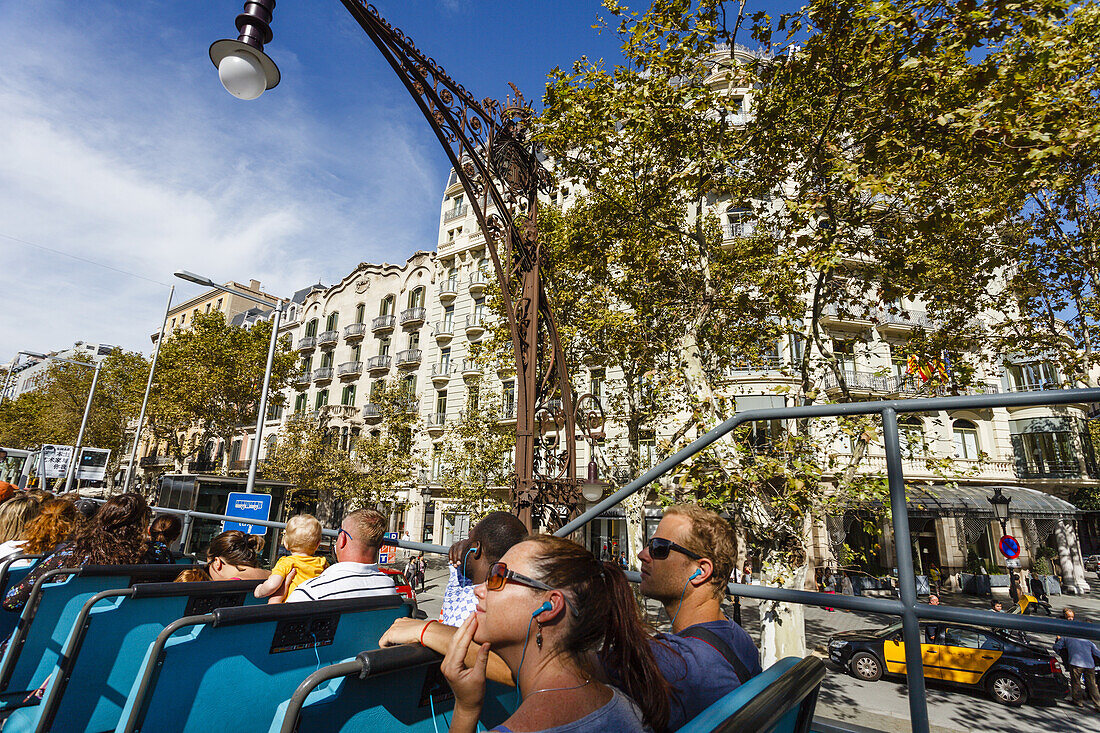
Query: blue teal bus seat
397, 688
10, 576
233, 667
103, 654
781, 699
54, 603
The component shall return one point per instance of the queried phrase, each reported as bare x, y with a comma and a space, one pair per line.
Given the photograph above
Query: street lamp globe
1000, 504
592, 489
242, 76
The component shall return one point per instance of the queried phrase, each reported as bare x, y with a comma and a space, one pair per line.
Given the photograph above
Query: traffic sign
387, 552
247, 506
1010, 547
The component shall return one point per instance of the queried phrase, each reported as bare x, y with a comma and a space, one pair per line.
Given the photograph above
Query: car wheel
1007, 689
866, 666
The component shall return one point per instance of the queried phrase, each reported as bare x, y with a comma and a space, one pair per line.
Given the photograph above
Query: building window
448, 319
300, 402
445, 359
219, 305
416, 298
408, 385
384, 346
965, 435
479, 309
207, 308
376, 388
357, 352
473, 399
508, 398
596, 378
1048, 454
326, 359
311, 328
845, 353
911, 435
386, 309
322, 399
331, 321
647, 449
183, 318
347, 396
414, 340
173, 323
1033, 376
740, 223
440, 405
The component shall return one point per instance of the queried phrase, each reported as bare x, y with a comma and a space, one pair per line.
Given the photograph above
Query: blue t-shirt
619, 715
698, 673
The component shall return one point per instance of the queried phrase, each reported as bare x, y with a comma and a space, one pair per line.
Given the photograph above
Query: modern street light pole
254, 453
75, 458
11, 370
148, 387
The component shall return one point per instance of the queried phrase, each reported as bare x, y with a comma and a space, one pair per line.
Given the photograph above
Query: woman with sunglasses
557, 616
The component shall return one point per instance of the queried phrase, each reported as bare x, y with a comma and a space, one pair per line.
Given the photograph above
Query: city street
884, 705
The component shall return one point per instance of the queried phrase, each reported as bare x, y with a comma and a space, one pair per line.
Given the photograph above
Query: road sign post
247, 506
1010, 547
387, 553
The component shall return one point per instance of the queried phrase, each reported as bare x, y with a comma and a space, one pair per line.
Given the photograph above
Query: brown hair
712, 537
368, 527
165, 528
53, 525
302, 534
236, 548
116, 534
192, 575
606, 621
14, 515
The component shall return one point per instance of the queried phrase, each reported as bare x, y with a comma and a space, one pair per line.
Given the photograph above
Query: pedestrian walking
828, 584
1082, 657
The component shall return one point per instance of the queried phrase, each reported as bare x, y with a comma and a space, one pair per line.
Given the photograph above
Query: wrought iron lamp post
1000, 504
486, 142
261, 415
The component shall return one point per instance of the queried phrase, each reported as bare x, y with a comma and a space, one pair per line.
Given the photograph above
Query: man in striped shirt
355, 573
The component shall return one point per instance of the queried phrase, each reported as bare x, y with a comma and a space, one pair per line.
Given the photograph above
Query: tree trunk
782, 625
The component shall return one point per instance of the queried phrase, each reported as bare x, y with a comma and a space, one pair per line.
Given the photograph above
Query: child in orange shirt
301, 537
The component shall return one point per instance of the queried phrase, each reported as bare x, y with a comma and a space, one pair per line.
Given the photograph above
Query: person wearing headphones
555, 614
471, 559
686, 566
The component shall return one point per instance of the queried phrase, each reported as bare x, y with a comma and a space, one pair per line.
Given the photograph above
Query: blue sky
118, 145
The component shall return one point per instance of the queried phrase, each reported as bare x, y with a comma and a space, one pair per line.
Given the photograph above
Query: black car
1004, 663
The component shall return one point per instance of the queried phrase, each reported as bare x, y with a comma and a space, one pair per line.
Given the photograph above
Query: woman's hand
468, 683
403, 631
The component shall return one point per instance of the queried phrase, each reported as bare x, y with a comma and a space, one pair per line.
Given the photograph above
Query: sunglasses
659, 548
499, 574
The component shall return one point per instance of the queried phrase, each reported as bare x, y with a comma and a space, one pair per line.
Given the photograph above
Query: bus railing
907, 608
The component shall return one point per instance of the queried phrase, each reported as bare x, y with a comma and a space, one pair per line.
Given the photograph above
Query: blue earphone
696, 574
547, 606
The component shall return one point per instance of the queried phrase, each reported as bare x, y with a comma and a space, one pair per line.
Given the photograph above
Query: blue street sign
1010, 547
247, 506
388, 552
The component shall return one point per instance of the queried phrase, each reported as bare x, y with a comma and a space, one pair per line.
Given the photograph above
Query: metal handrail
910, 611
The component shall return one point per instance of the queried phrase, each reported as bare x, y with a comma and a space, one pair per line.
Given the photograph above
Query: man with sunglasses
355, 573
686, 566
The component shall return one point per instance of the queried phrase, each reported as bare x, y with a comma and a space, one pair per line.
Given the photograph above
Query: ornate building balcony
306, 343
436, 422
328, 338
475, 326
478, 282
455, 213
349, 369
354, 331
371, 412
470, 369
413, 317
322, 374
381, 324
408, 358
444, 332
380, 363
448, 290
441, 374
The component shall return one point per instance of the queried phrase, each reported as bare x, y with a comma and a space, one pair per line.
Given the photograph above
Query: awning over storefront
950, 501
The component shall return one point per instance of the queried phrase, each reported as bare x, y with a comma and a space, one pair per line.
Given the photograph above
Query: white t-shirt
14, 547
345, 580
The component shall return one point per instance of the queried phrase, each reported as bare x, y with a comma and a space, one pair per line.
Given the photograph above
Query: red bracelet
433, 621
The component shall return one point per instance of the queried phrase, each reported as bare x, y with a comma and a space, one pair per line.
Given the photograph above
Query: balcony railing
474, 325
408, 357
350, 369
508, 411
355, 331
1039, 468
371, 411
302, 377
857, 380
328, 338
762, 363
454, 213
437, 420
383, 323
738, 230
322, 374
346, 412
448, 289
378, 363
413, 316
832, 312
306, 343
441, 372
239, 465
903, 319
204, 465
155, 461
478, 281
470, 368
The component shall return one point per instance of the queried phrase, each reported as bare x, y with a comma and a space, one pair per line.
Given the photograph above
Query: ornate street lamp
1000, 504
486, 142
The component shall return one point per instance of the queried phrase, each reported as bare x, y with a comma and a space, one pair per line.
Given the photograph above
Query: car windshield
890, 631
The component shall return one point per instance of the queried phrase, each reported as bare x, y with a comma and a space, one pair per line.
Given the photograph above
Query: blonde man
356, 572
301, 537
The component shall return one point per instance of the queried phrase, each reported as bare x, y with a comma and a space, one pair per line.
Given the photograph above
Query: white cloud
137, 162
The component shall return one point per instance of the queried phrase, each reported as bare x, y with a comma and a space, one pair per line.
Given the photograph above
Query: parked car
403, 588
1092, 562
1009, 668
